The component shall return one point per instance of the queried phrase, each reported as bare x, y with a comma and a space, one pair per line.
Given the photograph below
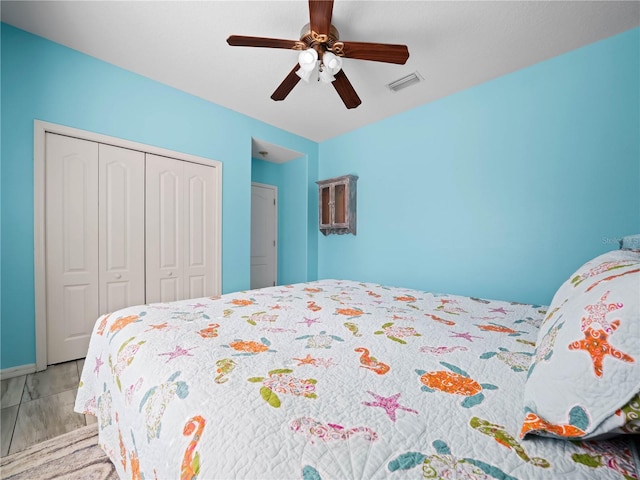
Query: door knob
170, 273
118, 276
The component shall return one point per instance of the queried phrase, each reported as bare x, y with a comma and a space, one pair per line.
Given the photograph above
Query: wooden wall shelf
337, 205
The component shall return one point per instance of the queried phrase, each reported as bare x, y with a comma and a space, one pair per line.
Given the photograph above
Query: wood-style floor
39, 406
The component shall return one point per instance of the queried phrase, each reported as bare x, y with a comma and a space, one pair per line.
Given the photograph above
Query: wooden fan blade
287, 85
241, 41
320, 12
377, 52
345, 90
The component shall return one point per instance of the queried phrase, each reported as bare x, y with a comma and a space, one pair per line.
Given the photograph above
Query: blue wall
501, 190
46, 81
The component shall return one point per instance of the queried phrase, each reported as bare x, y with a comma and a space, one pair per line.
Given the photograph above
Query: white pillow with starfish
585, 376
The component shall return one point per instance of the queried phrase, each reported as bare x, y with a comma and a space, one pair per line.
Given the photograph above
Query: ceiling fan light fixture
332, 62
326, 75
307, 59
305, 74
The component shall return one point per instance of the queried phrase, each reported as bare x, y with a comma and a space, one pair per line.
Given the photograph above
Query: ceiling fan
321, 53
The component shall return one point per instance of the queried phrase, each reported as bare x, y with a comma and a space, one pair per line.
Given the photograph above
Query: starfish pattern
308, 360
465, 335
310, 321
198, 305
596, 313
178, 352
596, 344
99, 363
390, 404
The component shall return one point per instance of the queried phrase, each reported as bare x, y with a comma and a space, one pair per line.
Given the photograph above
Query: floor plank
45, 418
55, 379
11, 391
7, 422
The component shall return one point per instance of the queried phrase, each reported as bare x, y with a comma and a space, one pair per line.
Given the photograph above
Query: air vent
405, 82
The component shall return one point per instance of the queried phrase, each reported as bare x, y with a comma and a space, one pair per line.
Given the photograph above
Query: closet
122, 227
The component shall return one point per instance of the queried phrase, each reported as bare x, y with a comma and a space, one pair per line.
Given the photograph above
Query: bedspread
327, 379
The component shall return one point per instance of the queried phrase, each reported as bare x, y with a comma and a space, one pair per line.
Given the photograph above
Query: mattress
327, 380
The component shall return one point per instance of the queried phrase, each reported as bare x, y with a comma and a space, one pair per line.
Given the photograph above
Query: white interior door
199, 230
121, 217
164, 220
264, 235
71, 195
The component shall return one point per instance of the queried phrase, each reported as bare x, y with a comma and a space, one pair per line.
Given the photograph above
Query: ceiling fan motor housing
320, 42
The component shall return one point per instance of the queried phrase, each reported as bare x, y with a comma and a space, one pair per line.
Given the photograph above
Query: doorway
264, 235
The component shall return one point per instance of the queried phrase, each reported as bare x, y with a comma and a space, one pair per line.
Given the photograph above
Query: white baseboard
17, 371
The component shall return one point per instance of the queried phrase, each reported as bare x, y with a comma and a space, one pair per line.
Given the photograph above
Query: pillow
585, 377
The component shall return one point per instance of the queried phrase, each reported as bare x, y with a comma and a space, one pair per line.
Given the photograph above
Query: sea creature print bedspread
326, 380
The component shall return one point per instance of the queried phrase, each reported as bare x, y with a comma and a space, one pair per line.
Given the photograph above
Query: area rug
74, 455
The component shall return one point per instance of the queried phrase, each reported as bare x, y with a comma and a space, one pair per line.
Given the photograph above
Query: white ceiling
454, 45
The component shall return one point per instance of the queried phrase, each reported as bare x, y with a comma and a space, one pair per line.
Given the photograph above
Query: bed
338, 379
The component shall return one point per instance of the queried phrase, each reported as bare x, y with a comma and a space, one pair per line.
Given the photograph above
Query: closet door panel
164, 207
198, 230
71, 196
121, 217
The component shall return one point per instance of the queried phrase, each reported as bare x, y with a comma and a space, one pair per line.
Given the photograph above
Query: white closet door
121, 214
71, 245
199, 232
164, 235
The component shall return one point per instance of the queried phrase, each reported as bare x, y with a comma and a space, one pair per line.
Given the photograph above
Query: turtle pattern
156, 400
321, 340
454, 381
495, 327
518, 361
249, 347
121, 322
190, 316
397, 333
281, 381
260, 317
534, 322
578, 423
444, 465
544, 350
211, 331
124, 358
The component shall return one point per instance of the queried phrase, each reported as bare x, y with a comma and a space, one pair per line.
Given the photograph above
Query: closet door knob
170, 273
118, 276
